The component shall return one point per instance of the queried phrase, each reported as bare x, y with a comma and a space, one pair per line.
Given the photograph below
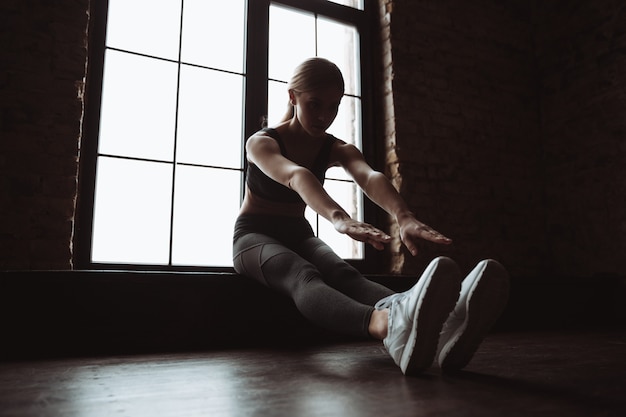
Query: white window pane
347, 124
337, 173
206, 204
213, 33
132, 212
138, 107
291, 41
313, 218
357, 4
348, 197
277, 99
210, 118
149, 27
339, 43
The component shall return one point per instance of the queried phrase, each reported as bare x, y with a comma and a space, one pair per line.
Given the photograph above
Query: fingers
437, 237
364, 232
422, 231
372, 237
378, 239
412, 249
428, 233
379, 236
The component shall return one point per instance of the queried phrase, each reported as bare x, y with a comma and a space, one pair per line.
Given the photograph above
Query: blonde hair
313, 74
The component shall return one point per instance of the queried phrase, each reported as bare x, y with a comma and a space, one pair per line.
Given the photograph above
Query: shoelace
389, 300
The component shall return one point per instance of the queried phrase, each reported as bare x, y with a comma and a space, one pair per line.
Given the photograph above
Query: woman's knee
344, 273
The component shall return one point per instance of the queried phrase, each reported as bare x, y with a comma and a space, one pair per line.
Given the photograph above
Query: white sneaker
484, 293
417, 315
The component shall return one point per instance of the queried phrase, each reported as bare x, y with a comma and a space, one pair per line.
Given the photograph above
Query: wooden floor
513, 374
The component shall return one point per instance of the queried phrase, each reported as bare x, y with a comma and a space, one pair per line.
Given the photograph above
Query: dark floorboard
513, 374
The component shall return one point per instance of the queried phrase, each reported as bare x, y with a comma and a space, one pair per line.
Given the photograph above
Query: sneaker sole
486, 301
438, 297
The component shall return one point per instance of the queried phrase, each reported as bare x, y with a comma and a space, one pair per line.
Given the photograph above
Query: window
182, 84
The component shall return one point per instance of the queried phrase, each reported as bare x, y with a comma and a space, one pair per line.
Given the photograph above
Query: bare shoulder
260, 136
261, 141
344, 153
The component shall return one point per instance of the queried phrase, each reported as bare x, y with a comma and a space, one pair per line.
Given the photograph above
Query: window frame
255, 105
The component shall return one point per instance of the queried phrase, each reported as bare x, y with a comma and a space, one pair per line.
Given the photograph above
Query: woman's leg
268, 261
339, 274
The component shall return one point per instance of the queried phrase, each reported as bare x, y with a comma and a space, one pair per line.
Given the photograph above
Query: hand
363, 232
412, 229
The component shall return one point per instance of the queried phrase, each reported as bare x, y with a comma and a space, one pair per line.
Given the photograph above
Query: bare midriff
253, 204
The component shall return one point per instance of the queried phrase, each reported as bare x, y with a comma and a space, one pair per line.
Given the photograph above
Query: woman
275, 245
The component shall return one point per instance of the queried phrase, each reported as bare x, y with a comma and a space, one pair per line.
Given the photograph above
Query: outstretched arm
264, 152
379, 189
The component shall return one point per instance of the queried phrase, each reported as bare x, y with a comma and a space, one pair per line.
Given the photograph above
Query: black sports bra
265, 187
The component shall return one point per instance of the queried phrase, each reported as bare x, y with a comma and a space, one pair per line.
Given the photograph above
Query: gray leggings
283, 254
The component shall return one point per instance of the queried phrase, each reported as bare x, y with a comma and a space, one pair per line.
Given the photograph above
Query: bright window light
170, 147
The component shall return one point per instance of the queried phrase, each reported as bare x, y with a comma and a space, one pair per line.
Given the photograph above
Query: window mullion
174, 159
257, 29
256, 72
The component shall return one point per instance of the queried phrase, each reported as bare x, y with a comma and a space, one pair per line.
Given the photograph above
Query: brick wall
467, 142
581, 55
41, 78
